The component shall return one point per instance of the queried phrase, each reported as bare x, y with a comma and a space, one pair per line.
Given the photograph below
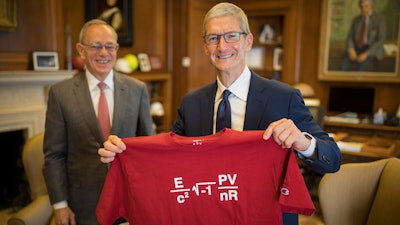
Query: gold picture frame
8, 14
336, 20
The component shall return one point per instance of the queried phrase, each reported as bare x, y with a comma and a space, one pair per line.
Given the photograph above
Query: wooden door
200, 72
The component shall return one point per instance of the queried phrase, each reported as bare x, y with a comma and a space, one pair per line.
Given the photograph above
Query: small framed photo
45, 61
155, 62
144, 62
267, 34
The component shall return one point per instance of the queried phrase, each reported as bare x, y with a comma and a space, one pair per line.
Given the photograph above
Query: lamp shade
305, 89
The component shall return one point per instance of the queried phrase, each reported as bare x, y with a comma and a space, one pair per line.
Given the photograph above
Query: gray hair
225, 9
370, 1
91, 23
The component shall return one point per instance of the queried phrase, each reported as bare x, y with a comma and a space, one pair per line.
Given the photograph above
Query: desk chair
318, 113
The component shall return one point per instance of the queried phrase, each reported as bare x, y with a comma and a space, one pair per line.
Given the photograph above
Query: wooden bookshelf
159, 86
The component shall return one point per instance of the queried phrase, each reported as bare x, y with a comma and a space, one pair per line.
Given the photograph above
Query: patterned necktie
224, 112
102, 114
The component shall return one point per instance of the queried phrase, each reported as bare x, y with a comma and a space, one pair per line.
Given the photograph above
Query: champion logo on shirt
285, 191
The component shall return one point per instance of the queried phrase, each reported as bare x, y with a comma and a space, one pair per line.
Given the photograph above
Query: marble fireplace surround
23, 99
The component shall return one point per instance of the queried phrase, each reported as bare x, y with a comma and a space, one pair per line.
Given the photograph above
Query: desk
384, 131
367, 132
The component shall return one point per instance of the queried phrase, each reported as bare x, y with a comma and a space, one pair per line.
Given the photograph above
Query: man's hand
287, 135
112, 146
64, 216
362, 57
352, 55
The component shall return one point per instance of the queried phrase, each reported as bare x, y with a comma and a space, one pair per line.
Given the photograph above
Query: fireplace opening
14, 187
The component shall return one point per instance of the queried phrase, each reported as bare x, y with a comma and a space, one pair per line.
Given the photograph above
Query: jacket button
326, 159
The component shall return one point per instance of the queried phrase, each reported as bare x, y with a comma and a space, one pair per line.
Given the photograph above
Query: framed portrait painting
117, 13
8, 14
358, 48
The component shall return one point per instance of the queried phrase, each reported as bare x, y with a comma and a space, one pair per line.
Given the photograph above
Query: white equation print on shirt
228, 191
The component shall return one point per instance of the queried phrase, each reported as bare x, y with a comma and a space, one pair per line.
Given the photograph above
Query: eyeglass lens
213, 39
98, 47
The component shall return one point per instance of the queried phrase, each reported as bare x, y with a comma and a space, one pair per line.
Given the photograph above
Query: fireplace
23, 103
14, 188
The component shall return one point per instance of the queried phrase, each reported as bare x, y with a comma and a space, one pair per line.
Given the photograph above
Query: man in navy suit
256, 103
365, 39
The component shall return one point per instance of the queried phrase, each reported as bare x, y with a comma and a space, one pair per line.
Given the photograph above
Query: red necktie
102, 114
360, 42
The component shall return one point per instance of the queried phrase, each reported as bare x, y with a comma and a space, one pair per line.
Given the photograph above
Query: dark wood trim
177, 9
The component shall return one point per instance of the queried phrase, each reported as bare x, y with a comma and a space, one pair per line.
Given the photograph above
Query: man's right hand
112, 146
64, 216
352, 55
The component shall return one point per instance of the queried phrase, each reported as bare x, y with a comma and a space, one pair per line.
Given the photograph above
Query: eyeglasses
96, 47
230, 37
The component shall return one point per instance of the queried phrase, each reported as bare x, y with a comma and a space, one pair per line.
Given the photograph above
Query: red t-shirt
230, 178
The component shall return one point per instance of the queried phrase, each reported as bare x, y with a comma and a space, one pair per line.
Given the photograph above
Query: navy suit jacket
267, 101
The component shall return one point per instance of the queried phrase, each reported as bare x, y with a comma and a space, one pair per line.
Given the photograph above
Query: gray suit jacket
72, 168
376, 34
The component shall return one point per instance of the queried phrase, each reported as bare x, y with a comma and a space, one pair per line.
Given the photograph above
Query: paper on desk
350, 146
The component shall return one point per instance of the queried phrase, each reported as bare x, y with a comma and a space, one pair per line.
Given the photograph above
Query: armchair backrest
347, 195
362, 193
386, 205
33, 159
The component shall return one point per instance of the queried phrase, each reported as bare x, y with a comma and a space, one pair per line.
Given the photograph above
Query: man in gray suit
365, 39
73, 174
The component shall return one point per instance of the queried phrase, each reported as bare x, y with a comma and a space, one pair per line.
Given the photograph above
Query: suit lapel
82, 95
120, 99
207, 109
256, 101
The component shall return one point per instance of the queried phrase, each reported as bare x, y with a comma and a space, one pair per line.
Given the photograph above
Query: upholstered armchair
39, 211
362, 194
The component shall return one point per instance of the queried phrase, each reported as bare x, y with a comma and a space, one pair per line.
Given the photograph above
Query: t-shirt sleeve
294, 196
111, 205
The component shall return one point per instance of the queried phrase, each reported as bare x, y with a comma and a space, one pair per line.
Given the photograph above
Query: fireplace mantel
23, 97
29, 76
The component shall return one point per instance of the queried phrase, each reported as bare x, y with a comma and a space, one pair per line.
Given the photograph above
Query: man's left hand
287, 135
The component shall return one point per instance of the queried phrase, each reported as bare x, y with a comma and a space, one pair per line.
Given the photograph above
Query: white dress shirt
238, 99
95, 92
